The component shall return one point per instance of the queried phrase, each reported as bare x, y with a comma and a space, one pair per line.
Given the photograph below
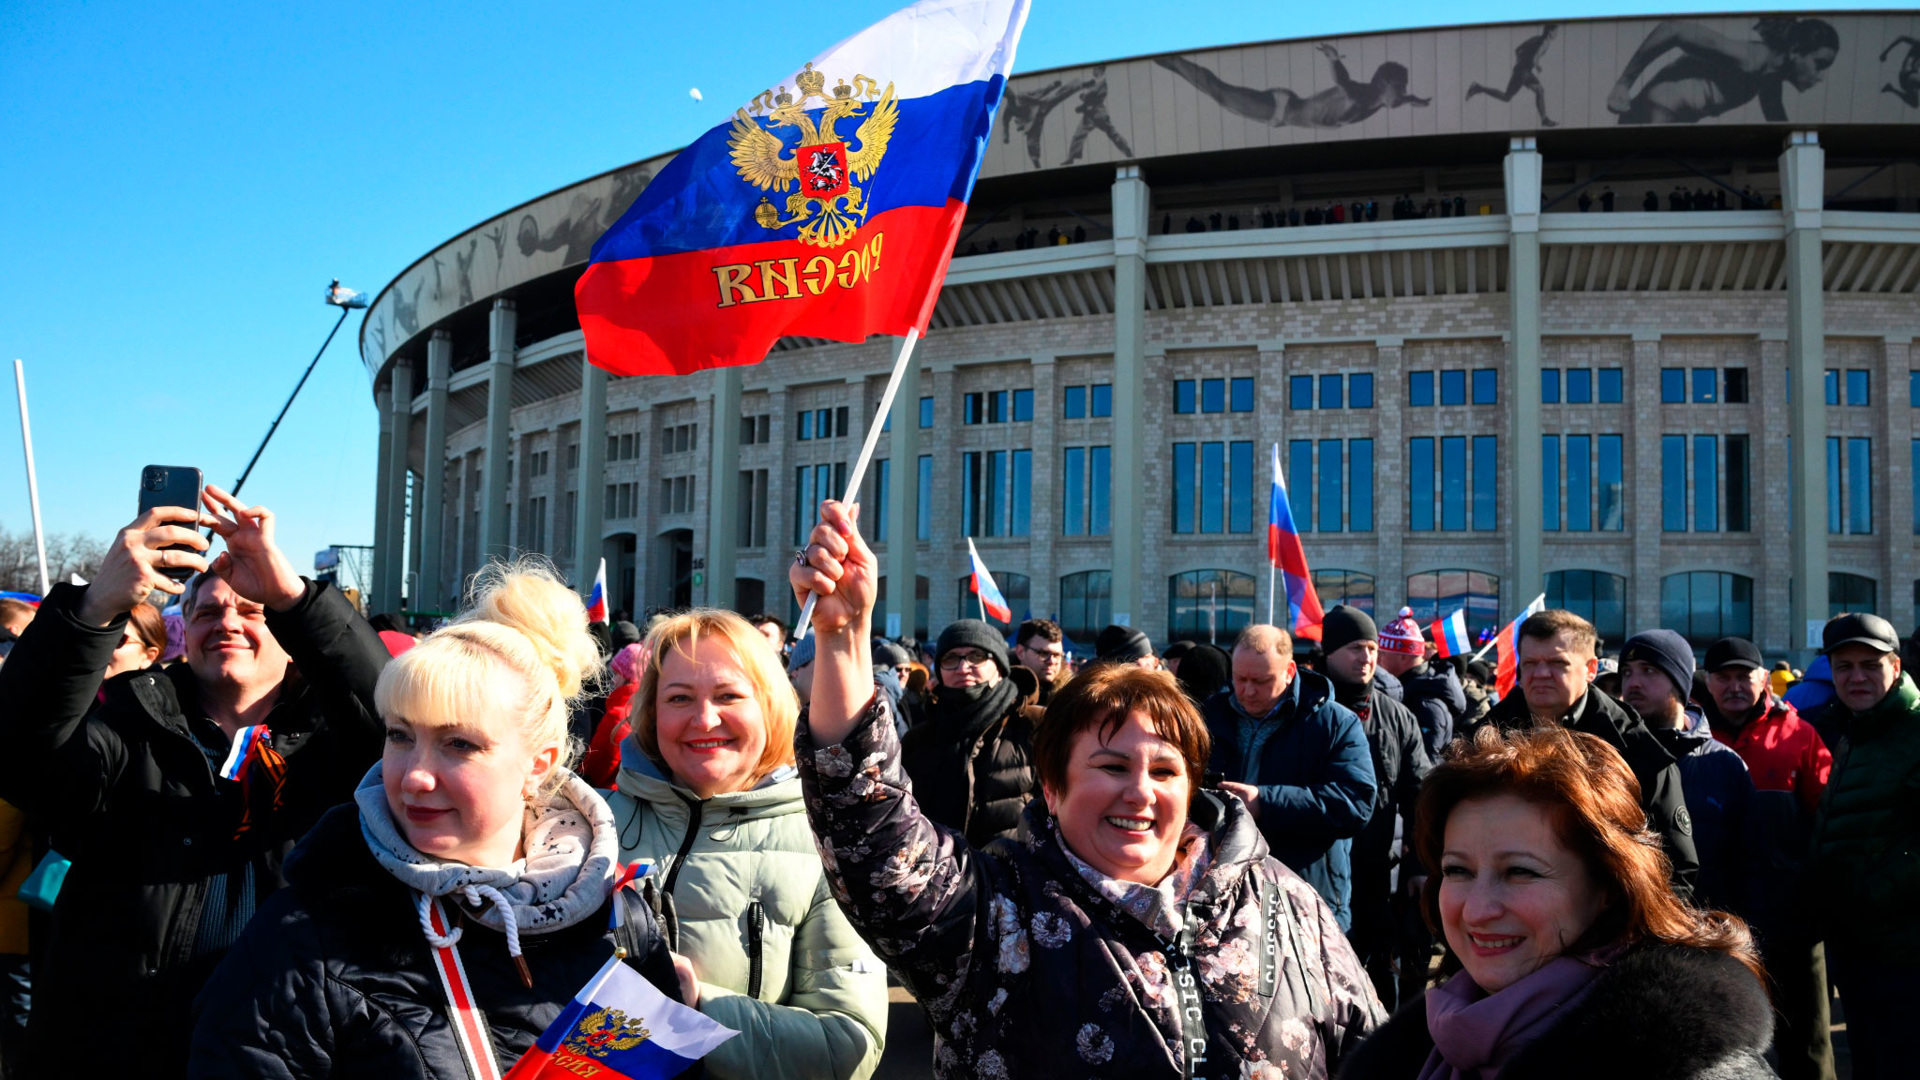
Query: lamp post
346, 300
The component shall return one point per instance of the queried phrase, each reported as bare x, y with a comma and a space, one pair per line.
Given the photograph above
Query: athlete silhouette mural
1526, 73
1715, 74
1027, 113
1348, 101
1909, 88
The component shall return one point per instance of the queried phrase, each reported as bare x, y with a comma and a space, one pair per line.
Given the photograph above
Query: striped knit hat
1402, 635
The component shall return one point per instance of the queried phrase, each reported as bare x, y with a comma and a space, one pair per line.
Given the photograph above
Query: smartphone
171, 485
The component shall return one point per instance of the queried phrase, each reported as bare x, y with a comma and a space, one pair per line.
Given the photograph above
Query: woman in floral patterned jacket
1141, 929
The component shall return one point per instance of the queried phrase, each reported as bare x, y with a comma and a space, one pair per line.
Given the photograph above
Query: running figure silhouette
1526, 73
1715, 74
1346, 102
1909, 88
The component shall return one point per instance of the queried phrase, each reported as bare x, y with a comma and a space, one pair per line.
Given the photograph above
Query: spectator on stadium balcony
1040, 646
1431, 689
1650, 202
1061, 955
1557, 664
1297, 758
470, 836
1567, 953
708, 791
1400, 762
1865, 865
1789, 766
972, 760
140, 772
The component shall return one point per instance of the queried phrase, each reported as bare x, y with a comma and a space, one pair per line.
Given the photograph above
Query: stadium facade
1603, 309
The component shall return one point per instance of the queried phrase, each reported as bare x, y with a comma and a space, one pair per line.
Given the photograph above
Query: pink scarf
1475, 1033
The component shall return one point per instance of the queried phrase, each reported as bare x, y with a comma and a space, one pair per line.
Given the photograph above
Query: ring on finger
800, 556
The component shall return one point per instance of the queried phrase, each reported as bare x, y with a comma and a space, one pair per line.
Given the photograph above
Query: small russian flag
597, 599
620, 1027
1450, 634
1507, 648
983, 587
246, 742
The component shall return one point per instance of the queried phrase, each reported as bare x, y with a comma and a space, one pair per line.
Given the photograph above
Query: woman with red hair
1567, 952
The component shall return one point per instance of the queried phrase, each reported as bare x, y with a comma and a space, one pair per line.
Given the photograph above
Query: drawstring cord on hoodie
477, 895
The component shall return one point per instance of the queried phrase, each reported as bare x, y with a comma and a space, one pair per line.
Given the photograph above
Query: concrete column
502, 322
1270, 414
1802, 195
591, 480
1643, 482
1523, 383
903, 500
382, 502
393, 552
1894, 518
433, 465
723, 503
948, 548
416, 519
1130, 204
1389, 481
1771, 588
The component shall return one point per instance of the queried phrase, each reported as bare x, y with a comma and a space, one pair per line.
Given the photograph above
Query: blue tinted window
1610, 388
1612, 497
1213, 486
1360, 485
1673, 385
1857, 387
1453, 388
923, 495
1913, 392
1240, 498
926, 412
1241, 395
1073, 403
1023, 404
1706, 483
1453, 483
1550, 483
1360, 391
1330, 485
1579, 386
1020, 499
972, 409
1486, 386
1300, 484
803, 426
1833, 387
1073, 501
1213, 395
1486, 472
1183, 401
1706, 385
1300, 392
1673, 483
1419, 388
998, 409
1420, 485
1579, 479
1860, 486
1915, 476
1329, 391
1099, 489
1101, 399
1550, 386
1183, 487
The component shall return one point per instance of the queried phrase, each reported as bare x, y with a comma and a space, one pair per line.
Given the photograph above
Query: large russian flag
1285, 554
827, 207
1508, 646
983, 586
619, 1027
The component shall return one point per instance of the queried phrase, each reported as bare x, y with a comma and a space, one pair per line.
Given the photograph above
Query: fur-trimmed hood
1657, 1013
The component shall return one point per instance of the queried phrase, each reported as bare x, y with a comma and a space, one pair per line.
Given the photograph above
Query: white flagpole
1270, 587
860, 463
33, 483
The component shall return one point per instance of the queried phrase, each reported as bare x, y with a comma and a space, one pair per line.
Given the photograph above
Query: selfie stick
33, 484
275, 426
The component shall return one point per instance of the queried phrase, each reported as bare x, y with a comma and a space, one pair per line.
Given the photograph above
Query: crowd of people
1337, 856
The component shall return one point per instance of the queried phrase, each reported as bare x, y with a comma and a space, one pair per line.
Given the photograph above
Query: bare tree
67, 554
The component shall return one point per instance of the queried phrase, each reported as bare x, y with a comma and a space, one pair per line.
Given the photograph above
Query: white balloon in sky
695, 94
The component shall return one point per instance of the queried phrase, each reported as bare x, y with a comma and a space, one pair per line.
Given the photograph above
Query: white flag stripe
952, 42
687, 1032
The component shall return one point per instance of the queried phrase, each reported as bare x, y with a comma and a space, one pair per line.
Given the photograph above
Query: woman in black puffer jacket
470, 813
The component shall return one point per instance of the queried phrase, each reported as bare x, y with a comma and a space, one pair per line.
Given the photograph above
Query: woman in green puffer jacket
708, 791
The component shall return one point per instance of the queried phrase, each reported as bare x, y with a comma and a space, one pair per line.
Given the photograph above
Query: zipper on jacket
694, 808
756, 931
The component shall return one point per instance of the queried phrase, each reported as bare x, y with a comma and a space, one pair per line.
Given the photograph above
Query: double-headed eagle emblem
821, 168
601, 1033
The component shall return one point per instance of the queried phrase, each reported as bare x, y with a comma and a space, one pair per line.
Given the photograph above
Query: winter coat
1400, 763
1661, 794
1720, 800
1026, 969
334, 978
133, 800
1866, 843
746, 900
1436, 698
977, 777
16, 862
1812, 696
1789, 766
1310, 760
1659, 1012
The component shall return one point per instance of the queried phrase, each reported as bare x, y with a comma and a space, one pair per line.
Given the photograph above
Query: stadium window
1594, 595
1359, 485
1735, 392
1300, 392
1453, 388
1241, 395
1331, 486
1100, 399
1300, 484
1073, 494
1183, 396
1579, 386
1706, 483
1419, 389
1914, 476
1706, 385
1704, 606
1612, 488
1360, 391
1550, 386
1330, 392
802, 426
1673, 483
1420, 484
997, 407
1213, 395
1610, 385
1240, 478
839, 427
973, 409
1486, 386
881, 474
1579, 478
1099, 490
1453, 483
1673, 385
1074, 403
1086, 604
1022, 405
1213, 486
926, 412
1833, 386
1486, 473
1857, 381
1847, 593
1020, 497
1739, 516
1913, 389
1183, 455
823, 423
923, 504
1550, 483
1860, 486
1349, 587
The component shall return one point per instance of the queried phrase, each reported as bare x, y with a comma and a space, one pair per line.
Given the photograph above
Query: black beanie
1123, 644
972, 633
1667, 651
1345, 625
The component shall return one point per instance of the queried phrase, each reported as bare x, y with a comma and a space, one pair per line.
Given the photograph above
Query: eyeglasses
954, 661
1047, 654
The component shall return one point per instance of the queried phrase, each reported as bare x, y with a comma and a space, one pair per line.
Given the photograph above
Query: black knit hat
972, 633
1345, 625
1667, 651
1122, 643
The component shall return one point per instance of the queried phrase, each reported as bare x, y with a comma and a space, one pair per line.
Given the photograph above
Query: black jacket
1661, 794
1400, 763
133, 801
1726, 827
977, 777
1435, 697
1657, 1013
334, 978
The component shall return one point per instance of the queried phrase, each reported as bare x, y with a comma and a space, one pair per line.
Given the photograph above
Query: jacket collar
644, 779
1902, 702
1308, 691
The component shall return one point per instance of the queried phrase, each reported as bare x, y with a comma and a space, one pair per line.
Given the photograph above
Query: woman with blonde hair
707, 789
470, 840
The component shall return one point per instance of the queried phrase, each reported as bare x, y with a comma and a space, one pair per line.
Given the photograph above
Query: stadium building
1609, 309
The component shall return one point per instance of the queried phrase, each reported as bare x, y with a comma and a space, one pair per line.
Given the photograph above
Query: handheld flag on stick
1450, 634
1508, 644
1285, 554
597, 599
991, 602
622, 1028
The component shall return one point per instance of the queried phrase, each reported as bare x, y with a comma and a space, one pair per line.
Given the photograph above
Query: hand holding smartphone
171, 485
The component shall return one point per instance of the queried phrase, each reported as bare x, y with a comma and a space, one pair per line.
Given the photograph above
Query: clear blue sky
184, 179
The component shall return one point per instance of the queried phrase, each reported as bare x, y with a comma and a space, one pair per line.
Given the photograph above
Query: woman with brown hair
1567, 953
145, 638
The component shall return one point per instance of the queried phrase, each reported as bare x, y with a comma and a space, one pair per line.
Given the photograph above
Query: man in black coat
170, 859
1557, 663
1400, 763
